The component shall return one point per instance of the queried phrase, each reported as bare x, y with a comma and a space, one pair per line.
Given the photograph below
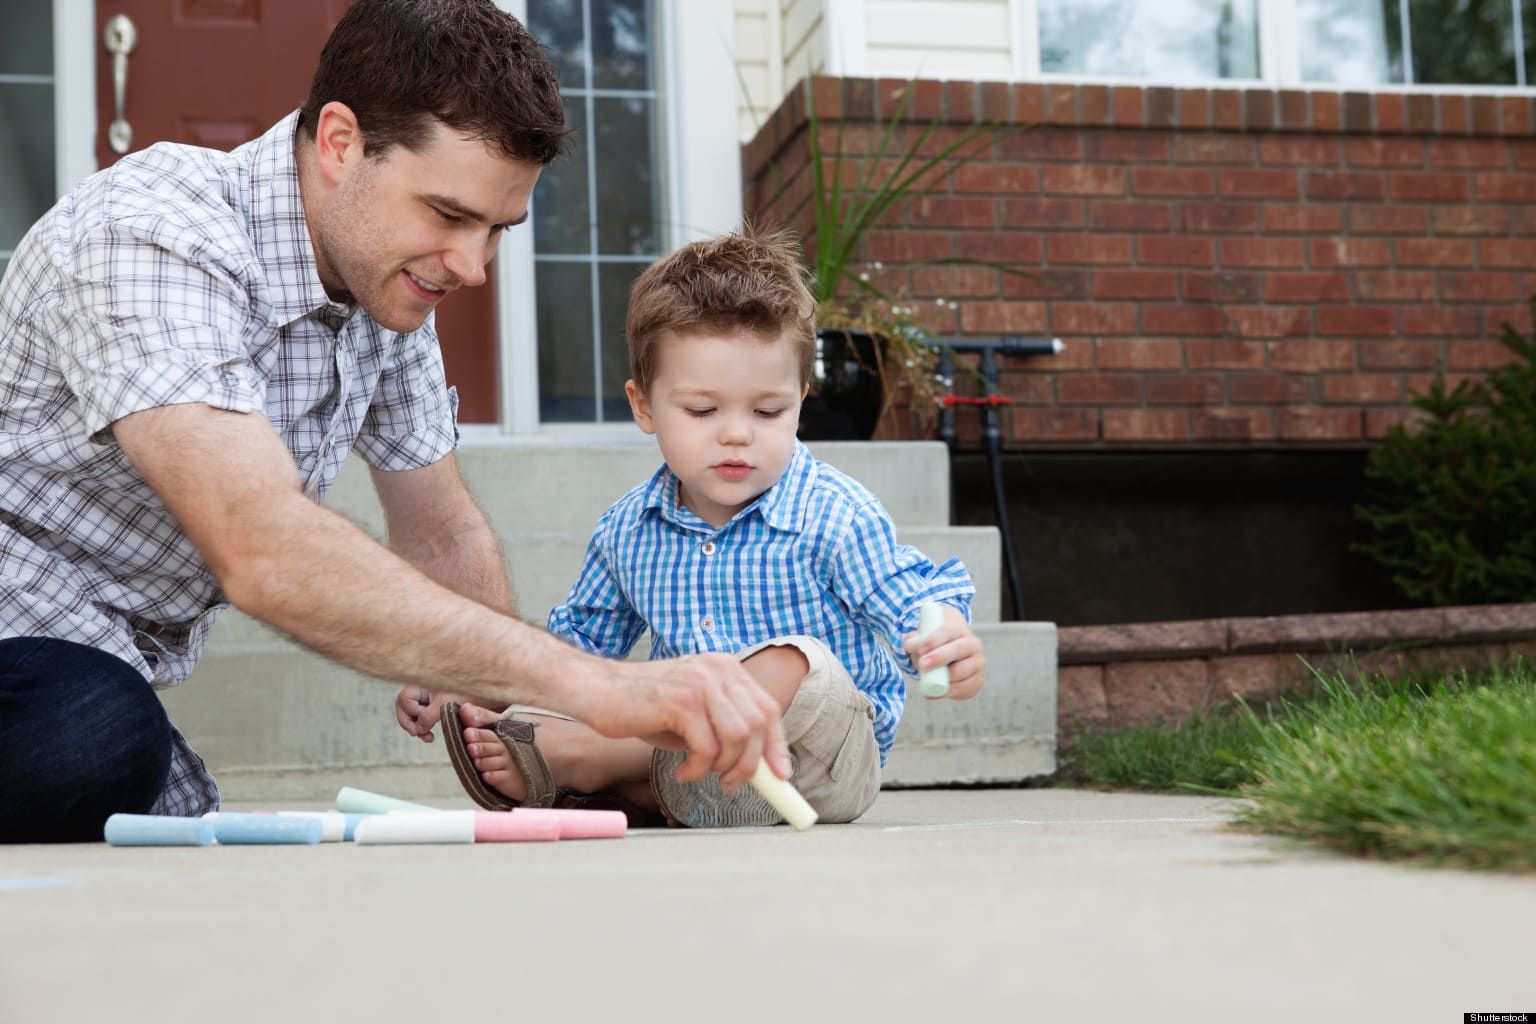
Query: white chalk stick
933, 682
442, 827
335, 823
784, 797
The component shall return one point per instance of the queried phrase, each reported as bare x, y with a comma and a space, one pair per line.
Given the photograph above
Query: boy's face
724, 409
402, 230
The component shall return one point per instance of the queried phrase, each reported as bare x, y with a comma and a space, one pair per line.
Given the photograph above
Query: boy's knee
779, 669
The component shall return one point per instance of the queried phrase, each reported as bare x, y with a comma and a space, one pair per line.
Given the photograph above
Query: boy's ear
640, 406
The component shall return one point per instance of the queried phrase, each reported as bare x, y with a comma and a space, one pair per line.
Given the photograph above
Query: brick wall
1228, 267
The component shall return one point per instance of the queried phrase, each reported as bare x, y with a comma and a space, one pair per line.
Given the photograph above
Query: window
1431, 42
597, 211
27, 175
1172, 39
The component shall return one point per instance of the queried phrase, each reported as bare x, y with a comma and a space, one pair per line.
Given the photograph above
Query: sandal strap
517, 735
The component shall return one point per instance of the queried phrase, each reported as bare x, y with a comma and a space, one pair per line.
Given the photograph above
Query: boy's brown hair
400, 63
735, 282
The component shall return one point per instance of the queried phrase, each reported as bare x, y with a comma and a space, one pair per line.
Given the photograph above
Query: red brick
1316, 424
1391, 112
1363, 389
987, 177
1524, 151
1477, 355
1356, 321
1470, 220
1413, 185
1436, 252
1054, 424
1098, 389
1080, 702
1032, 388
1009, 247
1519, 316
1352, 185
1509, 252
1438, 321
1395, 286
1227, 286
952, 212
1211, 148
1080, 318
1061, 104
1388, 219
1384, 152
1262, 252
1307, 287
1273, 184
1398, 355
907, 246
1042, 213
1085, 180
1176, 251
1029, 103
1271, 321
1351, 252
1171, 181
1232, 424
1240, 217
1516, 115
1003, 317
1325, 111
1379, 422
948, 282
1130, 215
1145, 425
1053, 144
1518, 188
1140, 354
1305, 217
1291, 149
1135, 284
1088, 249
1046, 283
1185, 389
1227, 109
1486, 154
1128, 147
1269, 389
1129, 106
1194, 108
1183, 320
1481, 287
1225, 354
1455, 115
1311, 356
1093, 104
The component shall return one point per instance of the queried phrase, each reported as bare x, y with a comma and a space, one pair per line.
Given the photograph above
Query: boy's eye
769, 414
698, 412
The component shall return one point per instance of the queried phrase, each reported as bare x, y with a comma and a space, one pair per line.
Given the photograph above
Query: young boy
742, 543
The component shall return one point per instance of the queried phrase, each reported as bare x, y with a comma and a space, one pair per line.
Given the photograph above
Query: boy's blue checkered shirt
814, 554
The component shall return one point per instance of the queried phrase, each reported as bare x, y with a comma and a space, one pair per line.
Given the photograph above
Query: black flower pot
845, 404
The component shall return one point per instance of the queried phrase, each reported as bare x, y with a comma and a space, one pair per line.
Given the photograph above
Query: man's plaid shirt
179, 275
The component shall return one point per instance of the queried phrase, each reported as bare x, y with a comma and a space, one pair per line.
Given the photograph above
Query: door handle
120, 37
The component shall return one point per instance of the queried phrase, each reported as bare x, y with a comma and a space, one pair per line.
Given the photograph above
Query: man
190, 344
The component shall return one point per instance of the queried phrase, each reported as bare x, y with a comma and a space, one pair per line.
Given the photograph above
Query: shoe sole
706, 804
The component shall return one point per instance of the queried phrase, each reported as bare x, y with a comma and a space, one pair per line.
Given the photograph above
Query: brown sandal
517, 735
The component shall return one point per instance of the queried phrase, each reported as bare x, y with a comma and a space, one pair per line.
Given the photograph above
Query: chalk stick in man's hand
784, 797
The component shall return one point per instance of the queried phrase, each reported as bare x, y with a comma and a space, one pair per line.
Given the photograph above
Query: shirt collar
781, 506
281, 233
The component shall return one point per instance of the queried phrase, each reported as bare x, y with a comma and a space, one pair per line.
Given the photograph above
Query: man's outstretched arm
281, 558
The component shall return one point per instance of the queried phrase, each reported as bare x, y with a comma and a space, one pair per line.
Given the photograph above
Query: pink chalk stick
582, 824
514, 827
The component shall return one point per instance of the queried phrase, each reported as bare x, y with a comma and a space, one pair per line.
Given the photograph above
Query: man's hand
704, 703
955, 645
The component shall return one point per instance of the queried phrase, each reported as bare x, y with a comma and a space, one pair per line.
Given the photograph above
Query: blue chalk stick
249, 829
352, 823
155, 830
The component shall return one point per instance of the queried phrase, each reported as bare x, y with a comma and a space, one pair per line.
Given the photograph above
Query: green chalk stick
360, 801
935, 681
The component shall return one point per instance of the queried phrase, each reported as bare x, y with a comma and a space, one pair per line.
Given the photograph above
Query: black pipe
992, 428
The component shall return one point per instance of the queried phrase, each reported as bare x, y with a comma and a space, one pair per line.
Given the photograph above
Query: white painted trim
517, 320
74, 91
845, 23
1024, 16
703, 164
1279, 53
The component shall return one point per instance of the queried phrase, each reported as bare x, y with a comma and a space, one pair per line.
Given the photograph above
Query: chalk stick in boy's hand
784, 797
933, 682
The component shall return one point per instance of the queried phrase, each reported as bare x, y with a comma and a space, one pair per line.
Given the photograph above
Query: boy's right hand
706, 704
418, 710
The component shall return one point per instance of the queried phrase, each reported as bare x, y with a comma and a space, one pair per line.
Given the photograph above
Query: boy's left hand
952, 644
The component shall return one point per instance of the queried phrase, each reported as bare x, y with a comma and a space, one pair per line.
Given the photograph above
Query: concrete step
277, 723
547, 487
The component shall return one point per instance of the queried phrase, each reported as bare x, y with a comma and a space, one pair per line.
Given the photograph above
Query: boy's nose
735, 430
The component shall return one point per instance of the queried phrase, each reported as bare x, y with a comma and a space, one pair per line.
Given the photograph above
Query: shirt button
708, 548
708, 624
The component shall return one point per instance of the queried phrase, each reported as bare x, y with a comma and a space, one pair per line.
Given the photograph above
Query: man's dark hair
400, 63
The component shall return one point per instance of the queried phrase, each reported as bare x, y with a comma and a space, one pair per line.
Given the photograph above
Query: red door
218, 73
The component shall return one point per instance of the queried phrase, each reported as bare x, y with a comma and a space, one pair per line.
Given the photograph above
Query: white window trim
696, 52
847, 37
74, 91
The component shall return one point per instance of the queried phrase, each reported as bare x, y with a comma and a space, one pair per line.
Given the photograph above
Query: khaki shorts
830, 728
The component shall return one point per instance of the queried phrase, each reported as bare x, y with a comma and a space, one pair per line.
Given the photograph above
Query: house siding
1227, 267
939, 39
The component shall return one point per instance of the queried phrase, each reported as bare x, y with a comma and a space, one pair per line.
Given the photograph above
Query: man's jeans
82, 736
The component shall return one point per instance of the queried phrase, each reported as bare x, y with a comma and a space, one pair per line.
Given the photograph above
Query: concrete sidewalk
989, 905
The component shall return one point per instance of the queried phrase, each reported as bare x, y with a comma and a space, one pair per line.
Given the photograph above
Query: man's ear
338, 142
640, 406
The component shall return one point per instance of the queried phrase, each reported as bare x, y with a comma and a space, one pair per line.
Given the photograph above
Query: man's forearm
465, 558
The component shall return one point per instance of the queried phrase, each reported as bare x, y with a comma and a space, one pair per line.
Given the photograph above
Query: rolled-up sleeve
596, 617
413, 419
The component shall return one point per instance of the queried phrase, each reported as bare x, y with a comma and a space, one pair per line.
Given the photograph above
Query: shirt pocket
772, 606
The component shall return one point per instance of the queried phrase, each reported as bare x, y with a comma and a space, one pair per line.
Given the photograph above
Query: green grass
1430, 768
